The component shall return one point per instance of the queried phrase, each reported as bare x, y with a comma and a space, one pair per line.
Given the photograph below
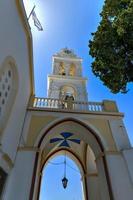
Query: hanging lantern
64, 182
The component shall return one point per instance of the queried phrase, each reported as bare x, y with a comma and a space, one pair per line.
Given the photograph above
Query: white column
128, 156
119, 134
92, 187
119, 176
102, 181
19, 180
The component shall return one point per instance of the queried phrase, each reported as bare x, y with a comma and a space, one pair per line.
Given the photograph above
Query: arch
8, 88
72, 70
67, 90
72, 156
90, 131
62, 69
64, 119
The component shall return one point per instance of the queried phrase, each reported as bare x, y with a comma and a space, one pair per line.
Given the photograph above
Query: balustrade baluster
90, 106
94, 107
53, 103
35, 102
57, 101
45, 102
38, 102
73, 105
98, 107
49, 103
61, 104
41, 103
83, 107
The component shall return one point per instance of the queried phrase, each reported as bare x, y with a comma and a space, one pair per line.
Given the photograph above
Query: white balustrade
43, 103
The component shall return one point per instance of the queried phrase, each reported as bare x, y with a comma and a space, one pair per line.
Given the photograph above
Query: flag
36, 21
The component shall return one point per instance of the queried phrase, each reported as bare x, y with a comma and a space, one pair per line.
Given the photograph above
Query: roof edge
24, 21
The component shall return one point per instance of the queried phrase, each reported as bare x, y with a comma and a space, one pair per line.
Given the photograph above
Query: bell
64, 182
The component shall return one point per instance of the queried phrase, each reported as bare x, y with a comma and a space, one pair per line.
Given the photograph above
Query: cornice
67, 58
77, 78
84, 113
27, 30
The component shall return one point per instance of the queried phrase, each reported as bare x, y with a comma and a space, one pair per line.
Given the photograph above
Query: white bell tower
66, 79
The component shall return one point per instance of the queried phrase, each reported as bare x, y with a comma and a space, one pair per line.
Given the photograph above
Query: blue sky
69, 23
52, 176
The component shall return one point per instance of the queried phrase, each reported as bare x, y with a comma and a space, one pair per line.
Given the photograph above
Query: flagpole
31, 12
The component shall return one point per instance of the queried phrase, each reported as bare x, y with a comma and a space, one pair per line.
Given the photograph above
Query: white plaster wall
67, 62
93, 188
77, 84
120, 181
102, 182
119, 134
13, 43
57, 81
19, 181
128, 155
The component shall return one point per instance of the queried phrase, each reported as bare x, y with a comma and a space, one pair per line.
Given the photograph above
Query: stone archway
88, 137
67, 90
75, 159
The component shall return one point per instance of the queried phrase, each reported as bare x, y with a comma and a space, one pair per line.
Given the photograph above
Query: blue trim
64, 144
75, 140
56, 140
66, 134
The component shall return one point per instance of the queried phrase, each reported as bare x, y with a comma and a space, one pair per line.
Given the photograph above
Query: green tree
112, 45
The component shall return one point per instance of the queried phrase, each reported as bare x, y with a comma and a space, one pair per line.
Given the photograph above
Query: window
62, 69
67, 91
8, 88
5, 88
72, 71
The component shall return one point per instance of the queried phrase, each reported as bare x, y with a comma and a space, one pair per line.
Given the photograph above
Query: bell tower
66, 79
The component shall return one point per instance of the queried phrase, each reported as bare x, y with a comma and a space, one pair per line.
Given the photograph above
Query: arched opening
57, 167
62, 69
68, 94
67, 91
72, 70
90, 151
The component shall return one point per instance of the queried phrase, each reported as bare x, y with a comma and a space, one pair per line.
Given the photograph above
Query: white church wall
93, 188
55, 85
8, 89
128, 156
13, 43
19, 181
119, 176
67, 62
119, 134
92, 176
102, 181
